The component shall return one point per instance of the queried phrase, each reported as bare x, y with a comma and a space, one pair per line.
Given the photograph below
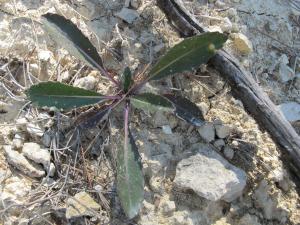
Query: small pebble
18, 141
219, 144
87, 83
128, 15
222, 131
207, 132
241, 43
167, 129
228, 152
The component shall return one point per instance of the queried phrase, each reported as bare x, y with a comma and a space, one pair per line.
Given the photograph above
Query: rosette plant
185, 56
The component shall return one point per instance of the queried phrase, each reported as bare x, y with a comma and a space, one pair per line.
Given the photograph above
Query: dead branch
243, 86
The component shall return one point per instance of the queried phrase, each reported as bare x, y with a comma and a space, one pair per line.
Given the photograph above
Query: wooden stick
243, 86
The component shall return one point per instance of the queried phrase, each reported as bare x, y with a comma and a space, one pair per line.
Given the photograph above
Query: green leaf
68, 36
186, 110
127, 79
130, 179
151, 102
188, 55
61, 96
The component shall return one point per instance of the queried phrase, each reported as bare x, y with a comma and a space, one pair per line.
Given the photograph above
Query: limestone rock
14, 191
34, 152
128, 15
81, 204
210, 175
17, 160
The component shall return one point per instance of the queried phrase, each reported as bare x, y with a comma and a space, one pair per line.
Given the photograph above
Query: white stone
231, 12
34, 152
18, 141
128, 15
241, 43
34, 130
203, 107
167, 129
81, 204
21, 163
285, 72
207, 132
87, 82
226, 25
209, 175
291, 111
44, 55
167, 207
21, 124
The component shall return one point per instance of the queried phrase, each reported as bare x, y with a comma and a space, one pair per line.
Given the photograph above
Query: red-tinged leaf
186, 110
68, 36
91, 118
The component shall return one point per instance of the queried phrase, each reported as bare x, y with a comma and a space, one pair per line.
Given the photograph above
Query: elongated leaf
68, 36
130, 180
188, 55
127, 79
151, 102
92, 118
61, 96
186, 110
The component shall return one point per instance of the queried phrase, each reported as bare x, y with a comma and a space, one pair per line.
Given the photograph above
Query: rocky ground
225, 172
